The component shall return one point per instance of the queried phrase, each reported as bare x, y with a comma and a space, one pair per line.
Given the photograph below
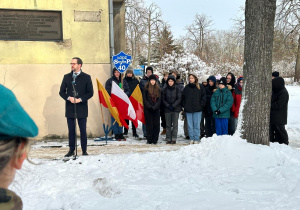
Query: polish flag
123, 104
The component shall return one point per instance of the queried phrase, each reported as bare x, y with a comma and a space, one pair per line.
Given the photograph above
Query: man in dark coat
132, 82
84, 91
278, 116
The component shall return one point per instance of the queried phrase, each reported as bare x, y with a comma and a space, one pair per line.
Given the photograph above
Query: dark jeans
185, 125
171, 125
210, 127
279, 134
163, 118
202, 128
231, 124
82, 128
132, 125
152, 118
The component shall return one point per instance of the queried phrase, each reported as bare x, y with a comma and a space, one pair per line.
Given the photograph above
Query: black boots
69, 154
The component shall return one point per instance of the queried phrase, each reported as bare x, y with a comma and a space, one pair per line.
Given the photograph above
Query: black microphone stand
75, 115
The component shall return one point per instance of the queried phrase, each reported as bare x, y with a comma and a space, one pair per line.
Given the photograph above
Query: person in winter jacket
171, 97
237, 98
278, 115
16, 127
202, 124
152, 100
209, 120
162, 110
117, 78
221, 102
231, 85
194, 100
132, 82
143, 82
180, 84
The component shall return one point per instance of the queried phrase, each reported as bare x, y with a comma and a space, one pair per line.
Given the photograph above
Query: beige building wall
34, 70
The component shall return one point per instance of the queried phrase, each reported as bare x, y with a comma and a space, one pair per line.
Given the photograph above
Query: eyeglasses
72, 64
228, 78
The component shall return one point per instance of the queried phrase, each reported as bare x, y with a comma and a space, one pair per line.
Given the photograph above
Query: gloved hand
217, 112
171, 108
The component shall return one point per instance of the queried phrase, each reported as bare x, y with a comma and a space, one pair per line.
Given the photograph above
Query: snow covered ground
220, 173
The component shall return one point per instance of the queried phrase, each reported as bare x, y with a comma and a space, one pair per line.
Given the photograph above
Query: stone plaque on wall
30, 25
87, 16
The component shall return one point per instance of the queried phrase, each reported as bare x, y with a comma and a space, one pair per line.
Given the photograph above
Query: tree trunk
297, 67
259, 32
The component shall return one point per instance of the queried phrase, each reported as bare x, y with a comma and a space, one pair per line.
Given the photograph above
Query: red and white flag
123, 104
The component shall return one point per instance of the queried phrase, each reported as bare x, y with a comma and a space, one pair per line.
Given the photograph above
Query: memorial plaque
30, 25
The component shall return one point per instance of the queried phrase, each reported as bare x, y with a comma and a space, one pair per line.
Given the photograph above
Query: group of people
208, 106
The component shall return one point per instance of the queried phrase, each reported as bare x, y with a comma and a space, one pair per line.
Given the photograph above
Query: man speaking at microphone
83, 86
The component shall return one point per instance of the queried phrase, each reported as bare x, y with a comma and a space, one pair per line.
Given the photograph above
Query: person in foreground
15, 128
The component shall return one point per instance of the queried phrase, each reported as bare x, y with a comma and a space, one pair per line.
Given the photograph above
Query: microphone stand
75, 115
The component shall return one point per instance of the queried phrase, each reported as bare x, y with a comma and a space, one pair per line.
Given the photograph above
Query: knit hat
165, 72
171, 77
212, 78
223, 81
239, 79
275, 74
152, 76
129, 70
218, 77
194, 74
14, 121
204, 78
149, 68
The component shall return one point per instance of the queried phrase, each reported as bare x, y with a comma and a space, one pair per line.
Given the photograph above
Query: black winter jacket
193, 99
84, 88
171, 95
279, 102
132, 83
108, 85
209, 90
148, 102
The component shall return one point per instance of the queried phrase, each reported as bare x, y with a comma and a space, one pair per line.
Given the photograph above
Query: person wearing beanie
275, 74
132, 82
237, 98
208, 112
171, 98
117, 78
152, 100
204, 80
16, 127
194, 100
221, 102
278, 115
162, 110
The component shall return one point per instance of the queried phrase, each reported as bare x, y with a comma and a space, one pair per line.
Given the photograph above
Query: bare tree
198, 32
288, 19
259, 31
135, 27
153, 22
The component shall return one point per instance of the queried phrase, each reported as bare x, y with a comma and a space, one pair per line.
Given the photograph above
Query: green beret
14, 121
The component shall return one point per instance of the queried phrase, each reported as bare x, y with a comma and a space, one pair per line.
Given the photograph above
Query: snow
222, 172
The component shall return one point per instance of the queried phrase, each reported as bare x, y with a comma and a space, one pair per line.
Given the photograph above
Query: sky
180, 13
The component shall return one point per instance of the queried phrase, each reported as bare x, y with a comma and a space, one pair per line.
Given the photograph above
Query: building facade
33, 68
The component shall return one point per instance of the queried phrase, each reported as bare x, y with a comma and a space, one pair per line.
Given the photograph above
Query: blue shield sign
121, 61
